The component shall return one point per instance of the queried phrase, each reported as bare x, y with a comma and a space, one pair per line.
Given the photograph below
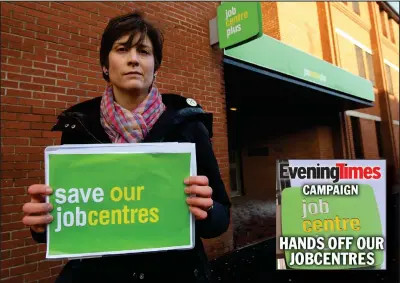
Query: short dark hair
132, 24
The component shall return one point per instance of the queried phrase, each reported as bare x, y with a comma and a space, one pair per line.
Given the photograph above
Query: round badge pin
191, 102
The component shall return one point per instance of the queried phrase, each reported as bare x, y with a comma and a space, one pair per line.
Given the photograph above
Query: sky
395, 5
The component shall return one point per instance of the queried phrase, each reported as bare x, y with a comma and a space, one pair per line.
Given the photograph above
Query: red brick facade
49, 61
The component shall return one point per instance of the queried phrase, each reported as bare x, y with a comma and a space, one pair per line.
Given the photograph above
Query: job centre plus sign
238, 22
232, 21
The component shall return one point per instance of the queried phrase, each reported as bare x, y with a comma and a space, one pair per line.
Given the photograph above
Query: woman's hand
201, 202
37, 210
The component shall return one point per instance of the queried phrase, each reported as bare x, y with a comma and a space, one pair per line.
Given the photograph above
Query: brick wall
369, 139
50, 61
270, 21
325, 142
259, 172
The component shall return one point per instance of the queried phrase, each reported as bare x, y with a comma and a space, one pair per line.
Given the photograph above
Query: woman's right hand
37, 210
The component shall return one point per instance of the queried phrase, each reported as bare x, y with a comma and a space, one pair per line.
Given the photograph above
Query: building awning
276, 69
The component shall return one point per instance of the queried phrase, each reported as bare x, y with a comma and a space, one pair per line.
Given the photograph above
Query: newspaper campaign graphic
333, 214
118, 198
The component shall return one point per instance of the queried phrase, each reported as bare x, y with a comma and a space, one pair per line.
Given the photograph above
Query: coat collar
172, 101
87, 115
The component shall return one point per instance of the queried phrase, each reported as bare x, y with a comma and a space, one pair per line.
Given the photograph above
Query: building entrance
270, 120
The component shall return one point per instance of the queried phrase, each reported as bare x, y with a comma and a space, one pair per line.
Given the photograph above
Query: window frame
357, 137
389, 81
365, 65
356, 8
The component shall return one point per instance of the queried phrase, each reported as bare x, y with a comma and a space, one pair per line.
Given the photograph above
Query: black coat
181, 122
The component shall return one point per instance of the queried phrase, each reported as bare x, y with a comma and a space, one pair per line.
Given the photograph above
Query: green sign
118, 199
237, 22
272, 54
331, 216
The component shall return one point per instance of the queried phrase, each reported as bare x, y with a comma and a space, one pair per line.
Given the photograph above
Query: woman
132, 110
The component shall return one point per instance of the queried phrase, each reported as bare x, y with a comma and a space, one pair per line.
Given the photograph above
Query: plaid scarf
124, 126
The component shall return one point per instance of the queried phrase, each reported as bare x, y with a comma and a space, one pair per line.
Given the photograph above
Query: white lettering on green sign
238, 22
232, 21
314, 75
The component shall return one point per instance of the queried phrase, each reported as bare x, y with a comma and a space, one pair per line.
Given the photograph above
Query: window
389, 79
360, 62
356, 7
391, 30
365, 64
379, 138
357, 140
370, 67
383, 23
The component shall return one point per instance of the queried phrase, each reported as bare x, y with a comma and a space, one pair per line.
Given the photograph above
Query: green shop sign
282, 58
237, 22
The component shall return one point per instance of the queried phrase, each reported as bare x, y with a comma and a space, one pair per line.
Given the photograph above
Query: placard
119, 198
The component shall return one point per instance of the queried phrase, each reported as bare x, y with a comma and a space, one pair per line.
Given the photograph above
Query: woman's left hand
201, 202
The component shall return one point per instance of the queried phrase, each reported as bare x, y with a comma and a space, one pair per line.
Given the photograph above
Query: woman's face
131, 68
